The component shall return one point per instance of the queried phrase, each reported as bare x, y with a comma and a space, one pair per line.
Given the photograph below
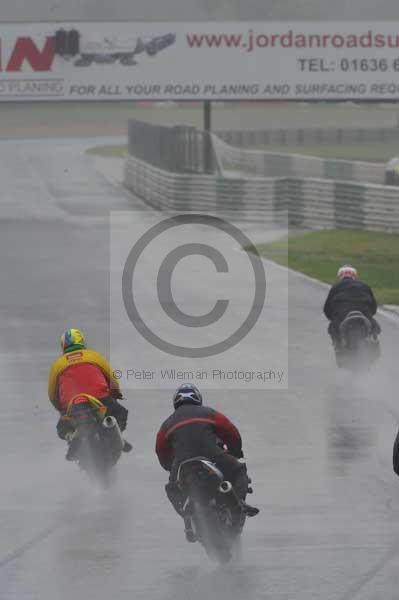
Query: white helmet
347, 271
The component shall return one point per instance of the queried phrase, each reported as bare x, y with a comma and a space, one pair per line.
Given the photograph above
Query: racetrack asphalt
319, 452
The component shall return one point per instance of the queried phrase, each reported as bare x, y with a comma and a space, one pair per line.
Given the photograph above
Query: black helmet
187, 393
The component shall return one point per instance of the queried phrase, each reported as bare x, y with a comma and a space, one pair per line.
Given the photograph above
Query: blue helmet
187, 393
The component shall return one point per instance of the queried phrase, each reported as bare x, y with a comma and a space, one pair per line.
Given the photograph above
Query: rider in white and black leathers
196, 430
347, 295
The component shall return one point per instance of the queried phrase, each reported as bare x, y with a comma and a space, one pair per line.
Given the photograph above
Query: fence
183, 149
316, 135
167, 171
231, 159
179, 149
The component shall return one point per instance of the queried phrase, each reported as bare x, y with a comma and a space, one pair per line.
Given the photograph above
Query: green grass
70, 111
117, 151
369, 152
319, 254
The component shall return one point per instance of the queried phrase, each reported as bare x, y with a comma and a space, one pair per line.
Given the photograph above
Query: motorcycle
359, 347
99, 440
212, 511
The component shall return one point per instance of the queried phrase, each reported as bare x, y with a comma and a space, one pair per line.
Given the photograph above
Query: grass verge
116, 151
320, 253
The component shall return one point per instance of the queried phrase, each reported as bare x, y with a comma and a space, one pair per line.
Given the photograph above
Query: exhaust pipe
225, 487
113, 433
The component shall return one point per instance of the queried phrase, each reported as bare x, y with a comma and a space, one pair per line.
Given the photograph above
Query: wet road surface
319, 453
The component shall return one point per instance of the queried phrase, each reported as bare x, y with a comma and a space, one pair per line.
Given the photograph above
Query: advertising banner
199, 61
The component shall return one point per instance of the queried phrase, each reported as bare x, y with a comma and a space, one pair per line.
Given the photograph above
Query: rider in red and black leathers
196, 430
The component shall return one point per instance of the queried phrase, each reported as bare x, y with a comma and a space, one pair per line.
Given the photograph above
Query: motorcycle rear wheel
210, 533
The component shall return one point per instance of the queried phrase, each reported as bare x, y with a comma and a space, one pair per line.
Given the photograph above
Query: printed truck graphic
85, 51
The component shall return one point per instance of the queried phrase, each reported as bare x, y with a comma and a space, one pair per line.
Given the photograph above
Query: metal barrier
179, 149
309, 135
272, 164
165, 167
182, 149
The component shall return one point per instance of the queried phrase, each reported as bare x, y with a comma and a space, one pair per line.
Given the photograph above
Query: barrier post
207, 149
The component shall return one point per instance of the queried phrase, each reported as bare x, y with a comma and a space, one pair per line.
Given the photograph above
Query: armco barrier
272, 164
309, 203
187, 150
237, 197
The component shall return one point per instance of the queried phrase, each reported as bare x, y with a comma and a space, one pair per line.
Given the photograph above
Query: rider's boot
188, 529
250, 511
127, 447
73, 448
